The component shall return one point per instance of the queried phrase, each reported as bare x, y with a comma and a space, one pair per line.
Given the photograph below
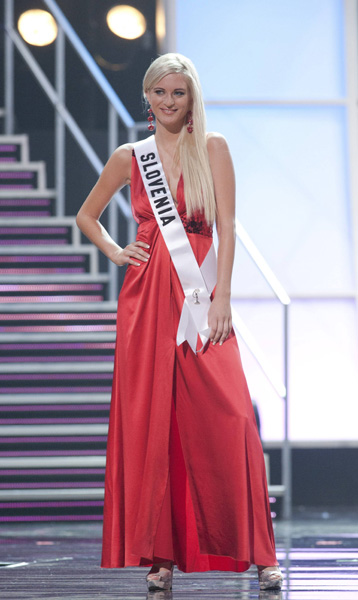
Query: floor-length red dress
185, 475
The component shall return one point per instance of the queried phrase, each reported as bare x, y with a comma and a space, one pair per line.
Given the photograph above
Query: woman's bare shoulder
121, 162
123, 153
216, 144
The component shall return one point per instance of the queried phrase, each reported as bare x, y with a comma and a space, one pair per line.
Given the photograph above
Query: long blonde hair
191, 151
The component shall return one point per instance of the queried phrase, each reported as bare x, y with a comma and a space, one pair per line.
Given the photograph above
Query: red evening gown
185, 475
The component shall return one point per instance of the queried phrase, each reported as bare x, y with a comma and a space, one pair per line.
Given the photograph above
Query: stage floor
318, 552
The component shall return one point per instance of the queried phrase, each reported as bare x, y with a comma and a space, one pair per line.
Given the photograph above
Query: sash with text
197, 282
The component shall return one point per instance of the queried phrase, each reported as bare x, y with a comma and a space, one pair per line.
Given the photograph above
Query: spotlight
160, 23
126, 22
37, 27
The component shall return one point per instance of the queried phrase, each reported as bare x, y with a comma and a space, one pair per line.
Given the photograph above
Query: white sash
197, 282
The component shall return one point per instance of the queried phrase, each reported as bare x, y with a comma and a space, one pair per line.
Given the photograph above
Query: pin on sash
196, 296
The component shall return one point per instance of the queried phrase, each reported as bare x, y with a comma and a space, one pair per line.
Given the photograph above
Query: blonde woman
185, 476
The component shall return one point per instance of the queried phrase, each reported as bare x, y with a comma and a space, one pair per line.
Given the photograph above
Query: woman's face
170, 100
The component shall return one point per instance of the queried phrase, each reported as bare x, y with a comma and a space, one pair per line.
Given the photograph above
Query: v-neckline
175, 200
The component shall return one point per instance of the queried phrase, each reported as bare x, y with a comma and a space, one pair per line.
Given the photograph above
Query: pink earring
190, 127
150, 120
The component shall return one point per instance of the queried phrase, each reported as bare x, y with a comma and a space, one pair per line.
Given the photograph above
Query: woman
185, 477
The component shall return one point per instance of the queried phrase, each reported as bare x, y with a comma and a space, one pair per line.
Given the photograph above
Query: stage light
37, 27
160, 23
126, 22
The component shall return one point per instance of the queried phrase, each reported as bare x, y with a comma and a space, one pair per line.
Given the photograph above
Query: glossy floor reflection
318, 556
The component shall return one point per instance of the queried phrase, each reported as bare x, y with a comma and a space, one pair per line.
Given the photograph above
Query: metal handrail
282, 389
261, 264
116, 111
66, 116
258, 354
90, 63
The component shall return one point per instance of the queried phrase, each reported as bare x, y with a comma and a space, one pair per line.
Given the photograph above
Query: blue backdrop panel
264, 49
292, 194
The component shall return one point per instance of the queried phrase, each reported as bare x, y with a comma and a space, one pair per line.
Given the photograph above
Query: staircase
57, 335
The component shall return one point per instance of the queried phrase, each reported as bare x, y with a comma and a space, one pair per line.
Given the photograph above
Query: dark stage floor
318, 554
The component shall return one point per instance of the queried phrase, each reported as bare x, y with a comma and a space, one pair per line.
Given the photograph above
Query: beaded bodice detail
196, 224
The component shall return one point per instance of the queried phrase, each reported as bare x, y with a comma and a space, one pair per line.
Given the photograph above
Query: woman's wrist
114, 253
222, 293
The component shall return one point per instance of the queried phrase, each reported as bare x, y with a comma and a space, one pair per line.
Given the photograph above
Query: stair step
28, 289
29, 232
45, 321
23, 485
80, 459
22, 352
47, 383
100, 307
276, 490
48, 439
44, 399
52, 474
22, 413
51, 510
65, 431
53, 368
52, 478
57, 278
14, 148
35, 235
65, 292
22, 176
51, 336
9, 153
48, 428
28, 203
51, 494
18, 260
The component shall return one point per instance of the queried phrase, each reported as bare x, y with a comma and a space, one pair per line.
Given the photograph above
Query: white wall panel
292, 194
264, 48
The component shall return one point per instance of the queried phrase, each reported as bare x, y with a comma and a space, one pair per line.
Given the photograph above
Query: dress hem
244, 564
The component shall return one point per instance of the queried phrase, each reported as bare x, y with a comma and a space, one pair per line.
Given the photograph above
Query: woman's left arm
219, 316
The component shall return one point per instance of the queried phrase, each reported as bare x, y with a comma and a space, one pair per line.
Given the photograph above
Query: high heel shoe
168, 595
270, 578
161, 580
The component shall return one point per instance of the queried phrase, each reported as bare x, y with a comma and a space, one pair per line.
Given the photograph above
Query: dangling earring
150, 120
190, 122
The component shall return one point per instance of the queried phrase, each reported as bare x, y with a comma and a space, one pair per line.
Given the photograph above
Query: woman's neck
166, 139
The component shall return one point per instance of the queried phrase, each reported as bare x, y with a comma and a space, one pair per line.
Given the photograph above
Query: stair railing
281, 388
117, 112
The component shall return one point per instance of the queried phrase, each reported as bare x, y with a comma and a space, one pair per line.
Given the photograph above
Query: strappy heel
270, 578
160, 580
